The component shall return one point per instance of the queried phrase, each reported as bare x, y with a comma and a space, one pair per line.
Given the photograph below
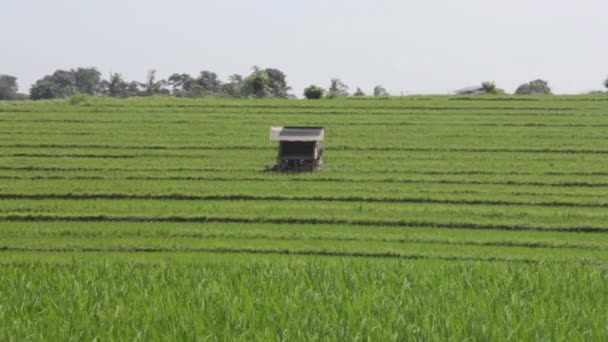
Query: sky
407, 46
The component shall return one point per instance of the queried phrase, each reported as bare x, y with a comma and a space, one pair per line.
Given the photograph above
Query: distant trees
184, 85
60, 84
313, 92
153, 87
64, 83
266, 83
606, 83
208, 83
116, 86
359, 92
87, 81
277, 83
337, 88
261, 83
489, 87
234, 87
8, 87
534, 87
181, 84
258, 83
380, 91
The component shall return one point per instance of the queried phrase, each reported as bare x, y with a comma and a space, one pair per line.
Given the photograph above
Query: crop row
297, 232
322, 191
363, 249
595, 184
376, 164
83, 170
97, 104
514, 217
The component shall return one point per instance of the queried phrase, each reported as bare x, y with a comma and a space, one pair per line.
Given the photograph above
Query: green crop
434, 218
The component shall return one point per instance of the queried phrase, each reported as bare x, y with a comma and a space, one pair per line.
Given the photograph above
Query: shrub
489, 87
380, 91
534, 87
359, 92
314, 92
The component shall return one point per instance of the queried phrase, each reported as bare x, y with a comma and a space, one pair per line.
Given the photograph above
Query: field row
488, 216
380, 241
517, 167
308, 190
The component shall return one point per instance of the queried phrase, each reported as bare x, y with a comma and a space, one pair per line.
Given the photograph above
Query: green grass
287, 298
435, 218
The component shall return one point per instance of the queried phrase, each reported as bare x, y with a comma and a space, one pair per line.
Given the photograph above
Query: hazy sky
414, 46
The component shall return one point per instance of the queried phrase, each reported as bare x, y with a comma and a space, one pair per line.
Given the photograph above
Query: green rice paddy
434, 218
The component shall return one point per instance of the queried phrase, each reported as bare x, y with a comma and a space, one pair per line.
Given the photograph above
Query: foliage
380, 91
258, 83
181, 84
153, 87
313, 92
262, 83
277, 83
359, 92
209, 83
87, 81
234, 87
606, 83
489, 87
116, 86
534, 87
337, 89
60, 84
64, 83
8, 87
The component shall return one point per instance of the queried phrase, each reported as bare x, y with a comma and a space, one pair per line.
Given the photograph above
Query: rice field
434, 218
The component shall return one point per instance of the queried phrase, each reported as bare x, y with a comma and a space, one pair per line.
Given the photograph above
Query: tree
44, 89
8, 87
489, 87
184, 85
313, 92
380, 91
234, 87
209, 83
133, 89
116, 86
61, 83
64, 83
534, 87
337, 88
277, 83
87, 80
258, 83
606, 83
153, 87
359, 92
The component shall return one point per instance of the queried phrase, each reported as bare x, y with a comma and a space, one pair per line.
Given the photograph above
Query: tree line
261, 83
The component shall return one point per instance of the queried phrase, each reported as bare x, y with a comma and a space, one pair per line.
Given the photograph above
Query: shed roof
472, 89
297, 133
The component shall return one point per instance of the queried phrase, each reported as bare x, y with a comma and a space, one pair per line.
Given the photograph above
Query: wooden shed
299, 148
